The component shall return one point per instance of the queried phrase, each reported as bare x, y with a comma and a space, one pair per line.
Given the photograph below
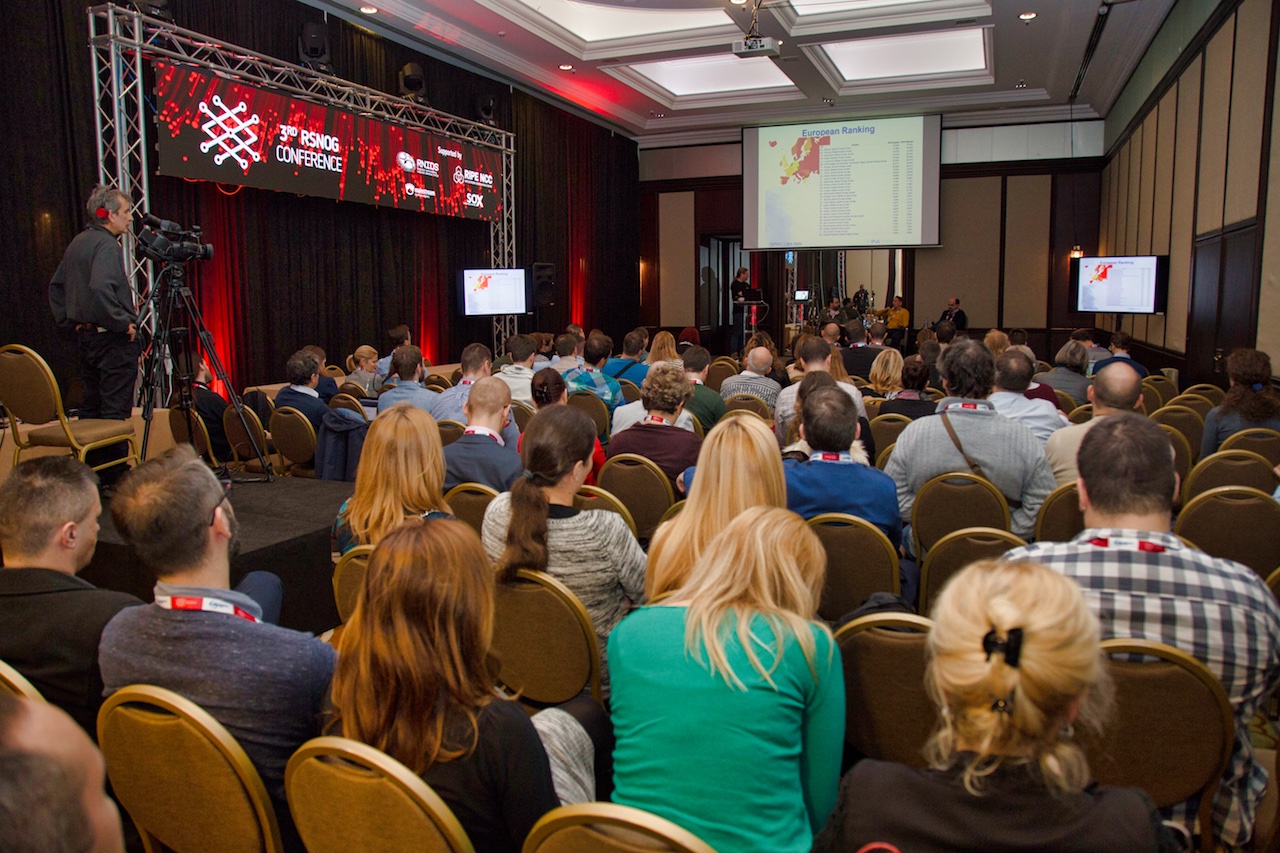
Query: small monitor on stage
497, 291
802, 296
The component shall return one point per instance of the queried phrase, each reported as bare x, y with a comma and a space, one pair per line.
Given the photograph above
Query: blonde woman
401, 475
664, 349
738, 467
997, 341
1014, 666
886, 374
366, 373
728, 699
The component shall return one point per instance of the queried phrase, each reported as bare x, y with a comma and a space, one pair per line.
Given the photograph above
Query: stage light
413, 82
313, 47
485, 108
155, 8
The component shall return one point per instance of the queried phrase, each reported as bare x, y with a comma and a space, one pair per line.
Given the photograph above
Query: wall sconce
1076, 251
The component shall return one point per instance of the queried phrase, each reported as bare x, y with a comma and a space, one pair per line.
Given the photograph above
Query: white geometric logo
406, 161
229, 132
457, 175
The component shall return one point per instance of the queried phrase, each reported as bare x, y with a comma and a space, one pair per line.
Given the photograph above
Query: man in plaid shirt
1143, 582
590, 377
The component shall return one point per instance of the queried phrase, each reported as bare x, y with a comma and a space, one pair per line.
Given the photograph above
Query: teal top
744, 770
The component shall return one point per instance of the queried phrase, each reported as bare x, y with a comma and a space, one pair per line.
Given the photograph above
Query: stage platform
284, 528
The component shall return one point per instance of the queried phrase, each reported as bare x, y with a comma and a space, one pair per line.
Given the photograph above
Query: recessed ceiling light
1027, 16
369, 10
566, 67
738, 2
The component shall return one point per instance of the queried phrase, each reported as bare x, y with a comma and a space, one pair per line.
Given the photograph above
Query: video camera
168, 242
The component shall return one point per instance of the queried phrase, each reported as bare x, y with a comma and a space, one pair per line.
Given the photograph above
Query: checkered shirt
1151, 586
752, 383
603, 386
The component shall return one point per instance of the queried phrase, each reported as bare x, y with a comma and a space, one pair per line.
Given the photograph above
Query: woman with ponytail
1014, 665
1252, 401
535, 526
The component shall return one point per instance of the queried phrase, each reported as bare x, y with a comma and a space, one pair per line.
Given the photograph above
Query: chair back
1189, 422
348, 578
1264, 442
243, 442
1214, 521
698, 429
354, 389
335, 372
1212, 393
1065, 401
546, 645
630, 390
609, 828
181, 424
872, 405
469, 501
1200, 404
521, 413
1181, 452
1154, 395
594, 497
718, 372
951, 502
1162, 386
1172, 732
1273, 583
956, 550
595, 409
450, 431
641, 486
436, 382
1081, 414
386, 386
342, 400
181, 775
1150, 402
294, 437
888, 714
738, 413
672, 512
17, 684
1043, 366
885, 429
750, 403
860, 561
882, 459
456, 376
1060, 518
1229, 468
935, 394
345, 795
27, 387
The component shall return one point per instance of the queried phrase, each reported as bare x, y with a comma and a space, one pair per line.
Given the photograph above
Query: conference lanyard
479, 430
462, 382
654, 419
208, 605
970, 406
843, 456
1128, 544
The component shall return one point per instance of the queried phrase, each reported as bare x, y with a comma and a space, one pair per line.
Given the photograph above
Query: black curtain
290, 270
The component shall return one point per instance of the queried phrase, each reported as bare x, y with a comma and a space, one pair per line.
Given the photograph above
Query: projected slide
1125, 285
843, 183
493, 292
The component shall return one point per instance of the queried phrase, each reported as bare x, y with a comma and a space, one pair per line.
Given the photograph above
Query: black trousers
109, 370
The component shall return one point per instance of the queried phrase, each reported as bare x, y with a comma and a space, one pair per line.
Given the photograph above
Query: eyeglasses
226, 493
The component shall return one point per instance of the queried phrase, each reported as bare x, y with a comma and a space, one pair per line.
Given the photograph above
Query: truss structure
122, 41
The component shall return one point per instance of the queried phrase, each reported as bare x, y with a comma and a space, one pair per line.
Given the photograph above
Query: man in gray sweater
202, 639
1008, 454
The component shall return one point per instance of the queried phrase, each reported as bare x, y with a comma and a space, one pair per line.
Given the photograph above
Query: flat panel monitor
1131, 284
489, 292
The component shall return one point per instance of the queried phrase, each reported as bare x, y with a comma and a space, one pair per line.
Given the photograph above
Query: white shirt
630, 414
1040, 416
304, 389
785, 410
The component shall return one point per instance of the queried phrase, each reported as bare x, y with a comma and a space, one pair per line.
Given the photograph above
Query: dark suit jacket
50, 625
310, 406
210, 406
480, 459
327, 388
961, 321
857, 360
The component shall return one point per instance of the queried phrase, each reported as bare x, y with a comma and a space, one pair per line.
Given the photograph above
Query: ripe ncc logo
229, 132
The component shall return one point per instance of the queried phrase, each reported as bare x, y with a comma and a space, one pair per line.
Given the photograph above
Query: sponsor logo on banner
229, 132
418, 166
473, 177
413, 191
405, 160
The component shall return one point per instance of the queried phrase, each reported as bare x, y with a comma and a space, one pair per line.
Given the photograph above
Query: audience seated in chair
400, 337
484, 454
303, 372
664, 394
422, 633
754, 379
1131, 567
549, 389
815, 355
1252, 401
706, 405
1013, 377
591, 376
519, 373
1006, 453
214, 645
1012, 661
885, 377
401, 476
366, 373
1115, 389
869, 343
53, 620
327, 387
568, 356
911, 401
450, 404
407, 366
630, 365
728, 699
1121, 343
1070, 374
837, 477
52, 783
210, 405
738, 468
535, 526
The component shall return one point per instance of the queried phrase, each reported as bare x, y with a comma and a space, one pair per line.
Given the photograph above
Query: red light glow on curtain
220, 284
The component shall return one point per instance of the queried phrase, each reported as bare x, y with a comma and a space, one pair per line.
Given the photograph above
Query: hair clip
1010, 647
1257, 386
529, 475
1003, 705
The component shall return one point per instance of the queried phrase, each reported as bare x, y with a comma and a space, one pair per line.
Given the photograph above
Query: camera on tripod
168, 242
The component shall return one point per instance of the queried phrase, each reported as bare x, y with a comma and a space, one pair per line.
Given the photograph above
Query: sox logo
229, 132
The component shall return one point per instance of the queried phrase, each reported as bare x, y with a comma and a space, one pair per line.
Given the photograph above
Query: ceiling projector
756, 46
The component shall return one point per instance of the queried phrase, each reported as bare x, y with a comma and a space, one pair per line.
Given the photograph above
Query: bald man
52, 783
481, 454
754, 379
1115, 388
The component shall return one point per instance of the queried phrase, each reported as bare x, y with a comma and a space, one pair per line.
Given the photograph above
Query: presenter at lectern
740, 292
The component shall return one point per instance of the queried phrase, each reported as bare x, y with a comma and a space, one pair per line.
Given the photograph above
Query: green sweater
753, 770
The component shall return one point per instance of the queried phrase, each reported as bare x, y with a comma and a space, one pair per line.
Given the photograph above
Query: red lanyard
208, 605
1149, 547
